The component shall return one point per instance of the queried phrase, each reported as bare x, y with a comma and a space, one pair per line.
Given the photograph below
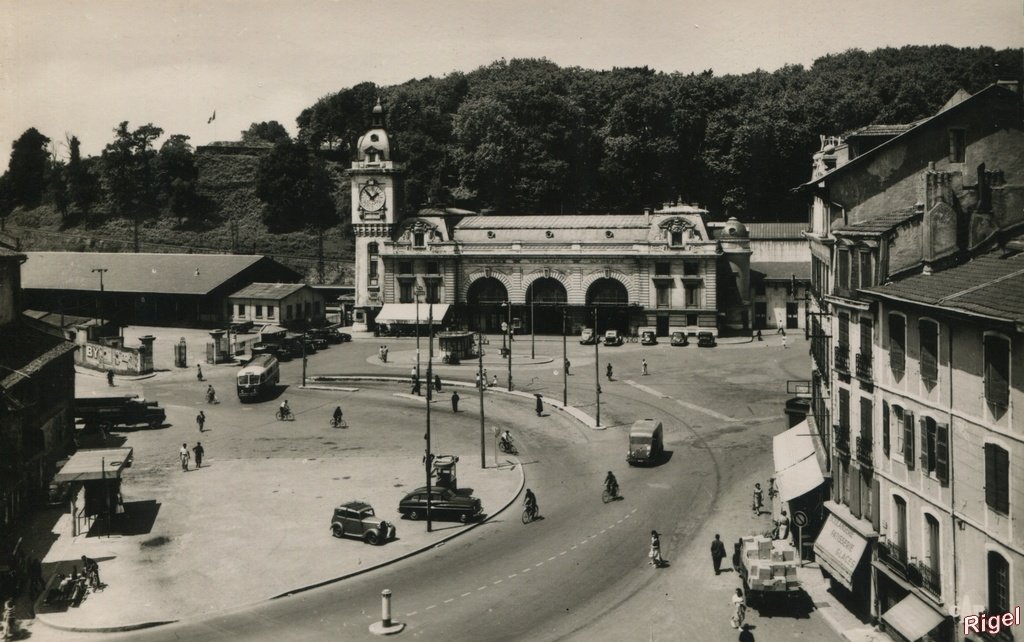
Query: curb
94, 373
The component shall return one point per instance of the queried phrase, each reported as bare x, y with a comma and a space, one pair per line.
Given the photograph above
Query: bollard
385, 607
386, 626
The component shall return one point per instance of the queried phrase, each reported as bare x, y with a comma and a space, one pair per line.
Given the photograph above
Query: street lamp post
430, 374
417, 291
509, 303
597, 369
480, 389
533, 332
99, 310
565, 360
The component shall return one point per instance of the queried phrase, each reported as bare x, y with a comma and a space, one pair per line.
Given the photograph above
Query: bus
257, 377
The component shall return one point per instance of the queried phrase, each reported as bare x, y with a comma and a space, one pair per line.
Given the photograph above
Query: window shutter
997, 369
1002, 460
875, 508
924, 443
908, 439
885, 429
990, 475
942, 453
855, 491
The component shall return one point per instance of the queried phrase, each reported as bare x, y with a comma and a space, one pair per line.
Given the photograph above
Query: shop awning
912, 617
839, 550
99, 463
796, 465
407, 313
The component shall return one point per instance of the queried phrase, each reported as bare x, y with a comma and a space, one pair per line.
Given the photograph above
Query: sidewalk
845, 623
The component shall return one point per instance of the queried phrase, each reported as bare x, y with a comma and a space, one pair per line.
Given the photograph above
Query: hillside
226, 179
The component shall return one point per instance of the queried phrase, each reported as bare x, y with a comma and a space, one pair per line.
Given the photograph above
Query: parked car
345, 336
444, 504
706, 340
680, 339
329, 336
648, 337
587, 337
241, 327
612, 338
111, 412
357, 519
316, 340
282, 354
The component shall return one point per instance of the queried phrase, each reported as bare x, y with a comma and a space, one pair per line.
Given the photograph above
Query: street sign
800, 518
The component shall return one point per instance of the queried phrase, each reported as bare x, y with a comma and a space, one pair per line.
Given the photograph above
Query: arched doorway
484, 300
611, 299
548, 297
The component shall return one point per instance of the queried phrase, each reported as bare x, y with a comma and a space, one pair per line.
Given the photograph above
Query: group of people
185, 457
481, 380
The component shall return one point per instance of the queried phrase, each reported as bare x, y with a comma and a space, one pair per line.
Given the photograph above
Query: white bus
257, 377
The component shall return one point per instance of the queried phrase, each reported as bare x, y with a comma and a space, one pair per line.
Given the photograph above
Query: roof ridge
981, 285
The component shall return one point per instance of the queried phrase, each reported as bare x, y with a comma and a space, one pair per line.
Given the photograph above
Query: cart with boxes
767, 567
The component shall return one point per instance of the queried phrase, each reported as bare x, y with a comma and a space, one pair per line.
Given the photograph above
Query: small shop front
842, 552
800, 480
907, 612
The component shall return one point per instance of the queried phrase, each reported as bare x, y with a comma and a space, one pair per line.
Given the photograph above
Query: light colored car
586, 337
357, 519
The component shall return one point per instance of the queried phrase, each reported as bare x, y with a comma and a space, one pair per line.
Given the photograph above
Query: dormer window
675, 238
957, 145
419, 239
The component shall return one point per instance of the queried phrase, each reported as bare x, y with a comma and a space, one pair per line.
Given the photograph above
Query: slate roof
991, 285
276, 291
157, 273
878, 225
555, 221
782, 270
777, 231
24, 351
881, 130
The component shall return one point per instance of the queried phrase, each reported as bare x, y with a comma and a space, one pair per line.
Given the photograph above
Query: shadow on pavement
797, 605
138, 519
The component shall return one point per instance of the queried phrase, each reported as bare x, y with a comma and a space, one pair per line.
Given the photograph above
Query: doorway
792, 315
760, 315
662, 326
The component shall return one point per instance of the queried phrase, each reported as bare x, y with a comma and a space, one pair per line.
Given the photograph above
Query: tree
296, 187
28, 168
129, 171
58, 190
265, 132
83, 186
177, 173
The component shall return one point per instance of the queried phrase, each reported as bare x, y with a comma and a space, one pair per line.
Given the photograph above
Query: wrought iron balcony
842, 437
893, 556
864, 444
842, 354
863, 365
931, 579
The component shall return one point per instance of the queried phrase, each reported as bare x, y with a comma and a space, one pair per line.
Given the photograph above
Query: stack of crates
771, 564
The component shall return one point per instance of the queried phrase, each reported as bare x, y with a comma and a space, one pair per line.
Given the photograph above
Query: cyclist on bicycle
506, 441
530, 502
611, 484
337, 415
211, 396
285, 410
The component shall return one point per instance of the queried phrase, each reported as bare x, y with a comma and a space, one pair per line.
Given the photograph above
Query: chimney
647, 216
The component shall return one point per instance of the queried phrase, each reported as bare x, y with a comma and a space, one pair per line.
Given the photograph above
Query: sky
81, 67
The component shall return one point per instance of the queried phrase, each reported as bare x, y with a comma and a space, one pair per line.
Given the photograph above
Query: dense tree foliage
297, 189
28, 167
265, 132
82, 184
130, 170
529, 136
177, 173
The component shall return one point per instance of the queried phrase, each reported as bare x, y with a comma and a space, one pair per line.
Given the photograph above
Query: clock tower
375, 186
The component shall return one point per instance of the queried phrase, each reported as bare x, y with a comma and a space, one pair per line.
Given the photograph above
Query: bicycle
283, 415
530, 514
610, 495
338, 423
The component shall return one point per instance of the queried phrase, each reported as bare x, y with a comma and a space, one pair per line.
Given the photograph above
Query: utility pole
597, 369
430, 384
99, 301
509, 346
533, 332
565, 359
480, 389
416, 291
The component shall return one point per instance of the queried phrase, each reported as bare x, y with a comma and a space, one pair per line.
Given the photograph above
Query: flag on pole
212, 118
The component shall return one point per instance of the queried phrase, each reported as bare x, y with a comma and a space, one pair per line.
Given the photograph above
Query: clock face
372, 197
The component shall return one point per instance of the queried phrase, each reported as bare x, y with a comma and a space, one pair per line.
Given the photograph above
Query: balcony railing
894, 556
931, 579
864, 365
842, 354
842, 435
864, 450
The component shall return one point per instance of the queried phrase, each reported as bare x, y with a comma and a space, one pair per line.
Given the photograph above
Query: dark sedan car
706, 340
444, 504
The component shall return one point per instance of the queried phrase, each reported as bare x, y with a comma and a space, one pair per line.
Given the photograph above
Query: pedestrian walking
437, 382
455, 401
608, 371
758, 501
183, 455
110, 377
567, 364
199, 451
494, 381
478, 380
91, 571
485, 377
201, 420
416, 386
199, 372
540, 405
784, 346
414, 373
385, 354
380, 353
643, 364
655, 553
781, 328
717, 553
739, 612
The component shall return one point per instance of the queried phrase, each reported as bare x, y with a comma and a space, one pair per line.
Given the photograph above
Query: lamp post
533, 332
99, 311
565, 359
430, 374
417, 291
480, 389
508, 330
597, 369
